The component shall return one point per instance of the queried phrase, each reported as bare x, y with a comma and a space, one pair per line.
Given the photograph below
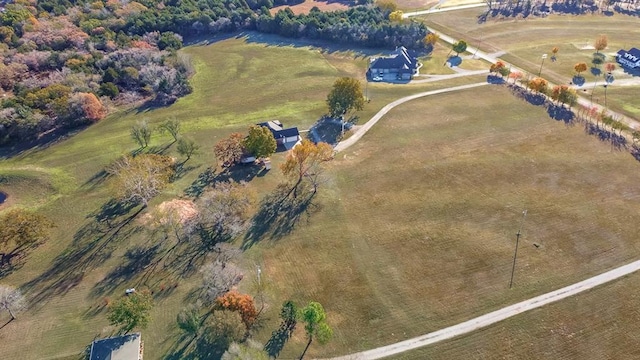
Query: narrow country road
444, 9
630, 122
493, 317
369, 124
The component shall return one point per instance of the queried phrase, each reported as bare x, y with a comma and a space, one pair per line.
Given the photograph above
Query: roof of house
126, 347
634, 52
278, 132
289, 132
273, 125
401, 59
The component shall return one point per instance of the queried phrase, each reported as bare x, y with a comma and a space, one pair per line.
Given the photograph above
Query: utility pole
513, 268
544, 56
259, 271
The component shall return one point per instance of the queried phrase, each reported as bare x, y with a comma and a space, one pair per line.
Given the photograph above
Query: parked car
377, 78
247, 160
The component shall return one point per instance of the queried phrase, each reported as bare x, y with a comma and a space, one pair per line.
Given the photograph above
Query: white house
629, 59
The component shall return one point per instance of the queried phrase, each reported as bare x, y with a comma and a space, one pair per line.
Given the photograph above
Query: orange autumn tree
538, 85
304, 160
241, 303
580, 67
500, 68
93, 108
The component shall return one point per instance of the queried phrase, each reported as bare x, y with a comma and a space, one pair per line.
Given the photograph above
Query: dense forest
66, 63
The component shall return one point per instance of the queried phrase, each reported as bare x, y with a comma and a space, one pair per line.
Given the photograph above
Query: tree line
64, 64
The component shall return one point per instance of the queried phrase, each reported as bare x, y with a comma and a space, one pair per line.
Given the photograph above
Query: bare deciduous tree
139, 179
223, 212
219, 276
12, 300
172, 126
141, 133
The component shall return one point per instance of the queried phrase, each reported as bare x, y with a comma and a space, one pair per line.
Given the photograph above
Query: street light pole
513, 268
259, 271
544, 56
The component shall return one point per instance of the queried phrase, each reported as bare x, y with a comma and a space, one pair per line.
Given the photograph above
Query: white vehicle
377, 78
247, 160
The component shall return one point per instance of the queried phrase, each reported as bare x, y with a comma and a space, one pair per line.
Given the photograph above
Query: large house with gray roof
402, 62
629, 59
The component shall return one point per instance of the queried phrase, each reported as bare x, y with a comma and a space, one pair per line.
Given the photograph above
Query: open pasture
417, 222
599, 324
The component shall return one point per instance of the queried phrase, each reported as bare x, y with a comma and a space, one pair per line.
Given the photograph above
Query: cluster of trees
314, 318
370, 26
500, 68
61, 65
520, 8
259, 142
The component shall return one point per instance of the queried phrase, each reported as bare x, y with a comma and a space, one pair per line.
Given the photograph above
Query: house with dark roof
288, 138
629, 59
126, 347
401, 62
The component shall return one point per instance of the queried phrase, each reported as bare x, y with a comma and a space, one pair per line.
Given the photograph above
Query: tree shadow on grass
92, 245
182, 169
278, 214
204, 180
454, 61
97, 179
239, 173
560, 113
277, 341
136, 259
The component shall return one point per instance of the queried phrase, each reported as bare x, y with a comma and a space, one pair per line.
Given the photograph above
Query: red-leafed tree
609, 67
242, 303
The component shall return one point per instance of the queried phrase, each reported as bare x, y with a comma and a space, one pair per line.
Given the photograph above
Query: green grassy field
526, 40
412, 230
238, 83
418, 221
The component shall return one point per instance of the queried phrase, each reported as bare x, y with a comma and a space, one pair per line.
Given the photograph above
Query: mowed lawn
603, 323
415, 228
526, 40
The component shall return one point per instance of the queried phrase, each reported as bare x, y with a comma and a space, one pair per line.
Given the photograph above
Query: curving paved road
493, 317
369, 124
